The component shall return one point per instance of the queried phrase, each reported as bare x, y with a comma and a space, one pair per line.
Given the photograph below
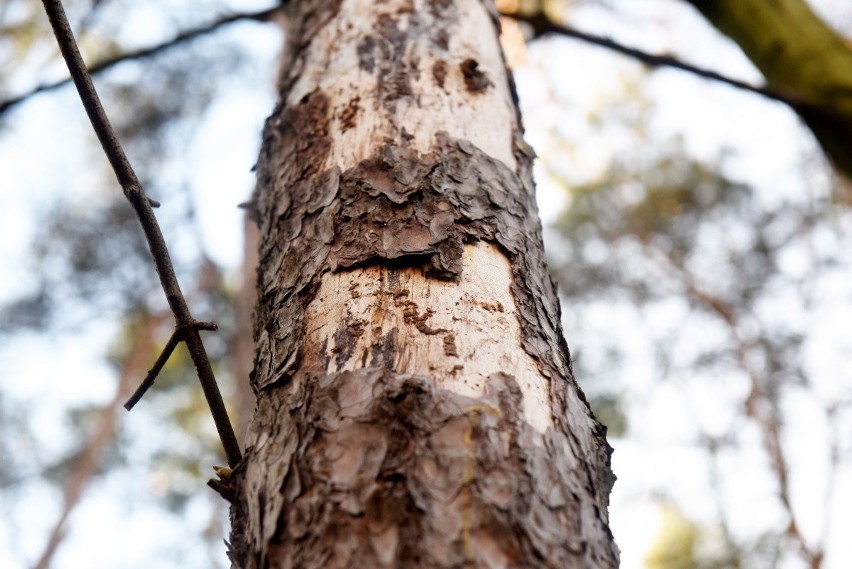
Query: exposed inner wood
456, 333
386, 65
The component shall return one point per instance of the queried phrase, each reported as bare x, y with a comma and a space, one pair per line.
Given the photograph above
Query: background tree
800, 56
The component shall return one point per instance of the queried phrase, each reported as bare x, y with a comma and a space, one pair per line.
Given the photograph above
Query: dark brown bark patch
296, 144
348, 113
394, 68
450, 348
346, 336
439, 72
383, 352
492, 306
441, 38
440, 9
443, 12
412, 317
475, 80
300, 133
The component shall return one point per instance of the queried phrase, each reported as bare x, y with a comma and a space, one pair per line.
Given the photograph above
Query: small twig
176, 337
154, 371
183, 37
541, 25
186, 325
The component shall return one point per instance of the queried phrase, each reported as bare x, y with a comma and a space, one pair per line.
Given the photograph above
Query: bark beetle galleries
349, 113
439, 72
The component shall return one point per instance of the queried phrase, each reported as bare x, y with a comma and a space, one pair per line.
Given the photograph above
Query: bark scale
416, 406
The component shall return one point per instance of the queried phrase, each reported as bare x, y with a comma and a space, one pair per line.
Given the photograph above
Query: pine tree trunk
416, 406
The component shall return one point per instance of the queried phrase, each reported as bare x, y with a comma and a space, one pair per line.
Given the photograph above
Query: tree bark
415, 401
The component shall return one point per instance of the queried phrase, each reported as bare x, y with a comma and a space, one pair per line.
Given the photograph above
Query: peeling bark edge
402, 208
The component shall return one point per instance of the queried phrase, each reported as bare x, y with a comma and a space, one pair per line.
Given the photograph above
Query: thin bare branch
175, 338
180, 39
136, 195
758, 405
541, 26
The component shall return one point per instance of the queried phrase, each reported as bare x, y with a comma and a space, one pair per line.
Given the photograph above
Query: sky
769, 143
560, 82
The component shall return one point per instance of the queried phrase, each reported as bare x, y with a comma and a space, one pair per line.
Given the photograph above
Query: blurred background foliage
705, 285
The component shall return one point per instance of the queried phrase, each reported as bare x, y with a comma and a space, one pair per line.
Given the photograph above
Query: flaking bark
351, 460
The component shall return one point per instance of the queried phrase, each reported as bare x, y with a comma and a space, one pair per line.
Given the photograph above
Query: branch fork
177, 336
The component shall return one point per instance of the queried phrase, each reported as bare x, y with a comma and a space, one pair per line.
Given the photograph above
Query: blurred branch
88, 459
133, 191
181, 38
799, 54
760, 405
733, 552
241, 348
542, 25
834, 464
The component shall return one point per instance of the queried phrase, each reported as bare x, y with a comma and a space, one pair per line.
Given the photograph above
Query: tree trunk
415, 402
